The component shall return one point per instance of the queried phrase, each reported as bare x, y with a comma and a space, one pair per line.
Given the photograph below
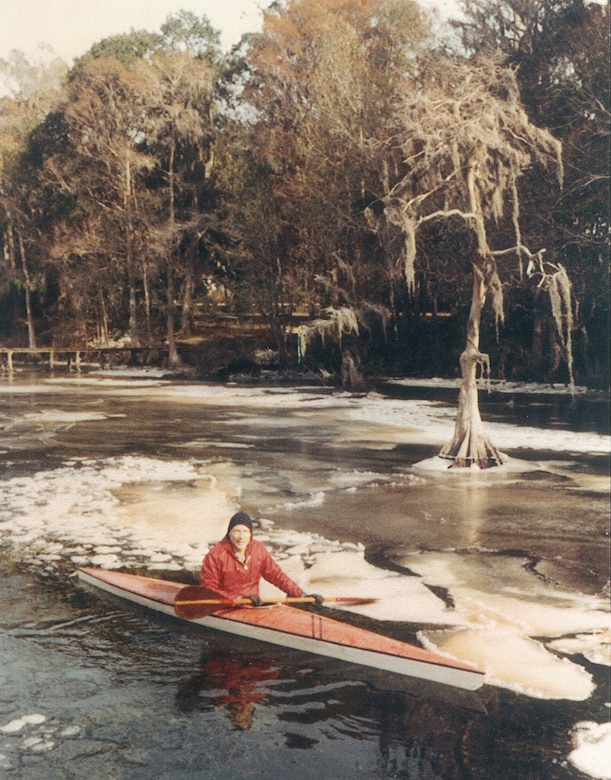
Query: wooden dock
73, 358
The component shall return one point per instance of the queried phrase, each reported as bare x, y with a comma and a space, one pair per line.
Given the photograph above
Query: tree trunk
133, 309
147, 304
173, 357
279, 336
471, 445
545, 354
102, 319
276, 313
130, 259
352, 376
187, 299
28, 295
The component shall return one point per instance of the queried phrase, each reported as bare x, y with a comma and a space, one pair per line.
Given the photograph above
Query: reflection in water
416, 734
417, 738
474, 499
229, 681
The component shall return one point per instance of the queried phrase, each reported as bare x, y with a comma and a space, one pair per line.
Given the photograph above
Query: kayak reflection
416, 733
230, 681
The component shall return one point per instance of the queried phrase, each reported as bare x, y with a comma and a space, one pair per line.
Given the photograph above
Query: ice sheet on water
498, 386
129, 372
206, 443
44, 388
253, 397
595, 646
512, 660
401, 418
432, 421
33, 718
79, 503
350, 480
499, 588
531, 617
53, 416
505, 606
592, 748
34, 734
401, 598
312, 501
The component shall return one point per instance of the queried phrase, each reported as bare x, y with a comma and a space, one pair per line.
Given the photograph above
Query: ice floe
33, 733
592, 749
595, 646
17, 724
512, 660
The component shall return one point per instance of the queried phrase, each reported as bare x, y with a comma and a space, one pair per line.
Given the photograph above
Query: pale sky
70, 27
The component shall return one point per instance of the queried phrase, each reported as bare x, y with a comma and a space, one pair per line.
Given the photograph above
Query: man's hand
255, 598
317, 598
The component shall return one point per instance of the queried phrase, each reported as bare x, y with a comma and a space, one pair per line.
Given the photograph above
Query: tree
101, 168
319, 89
560, 52
127, 48
179, 100
465, 143
139, 125
33, 89
254, 263
187, 33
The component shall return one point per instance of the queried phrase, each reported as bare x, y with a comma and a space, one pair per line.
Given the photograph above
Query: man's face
239, 536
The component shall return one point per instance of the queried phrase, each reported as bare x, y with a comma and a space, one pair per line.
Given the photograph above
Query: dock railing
73, 357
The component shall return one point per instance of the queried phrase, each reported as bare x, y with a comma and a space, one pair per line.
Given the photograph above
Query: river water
508, 568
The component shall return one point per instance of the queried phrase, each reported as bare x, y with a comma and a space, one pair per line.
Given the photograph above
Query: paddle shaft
193, 602
246, 601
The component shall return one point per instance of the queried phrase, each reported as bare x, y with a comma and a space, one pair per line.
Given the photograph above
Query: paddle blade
193, 602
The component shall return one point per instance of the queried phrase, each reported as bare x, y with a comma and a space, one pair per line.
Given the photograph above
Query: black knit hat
240, 518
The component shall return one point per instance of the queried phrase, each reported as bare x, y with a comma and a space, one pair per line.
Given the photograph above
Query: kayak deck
299, 629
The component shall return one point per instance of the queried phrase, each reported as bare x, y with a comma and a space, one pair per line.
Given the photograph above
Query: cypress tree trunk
471, 445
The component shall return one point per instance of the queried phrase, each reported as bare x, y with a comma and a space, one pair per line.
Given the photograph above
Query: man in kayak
234, 566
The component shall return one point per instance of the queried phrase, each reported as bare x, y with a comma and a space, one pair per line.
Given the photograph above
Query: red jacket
223, 573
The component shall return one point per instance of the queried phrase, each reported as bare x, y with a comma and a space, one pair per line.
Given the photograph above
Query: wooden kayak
295, 628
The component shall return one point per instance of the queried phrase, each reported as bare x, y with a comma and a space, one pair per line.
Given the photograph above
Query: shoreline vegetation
350, 188
438, 387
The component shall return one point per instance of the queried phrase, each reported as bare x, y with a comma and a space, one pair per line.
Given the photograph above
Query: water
509, 569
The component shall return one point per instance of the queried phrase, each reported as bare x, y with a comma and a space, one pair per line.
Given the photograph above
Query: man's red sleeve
210, 574
272, 572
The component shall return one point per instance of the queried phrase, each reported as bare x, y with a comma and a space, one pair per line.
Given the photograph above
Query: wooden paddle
193, 602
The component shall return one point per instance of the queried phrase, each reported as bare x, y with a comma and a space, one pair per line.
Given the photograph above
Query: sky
70, 27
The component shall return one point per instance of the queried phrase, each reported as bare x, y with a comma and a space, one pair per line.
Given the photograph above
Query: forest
355, 191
